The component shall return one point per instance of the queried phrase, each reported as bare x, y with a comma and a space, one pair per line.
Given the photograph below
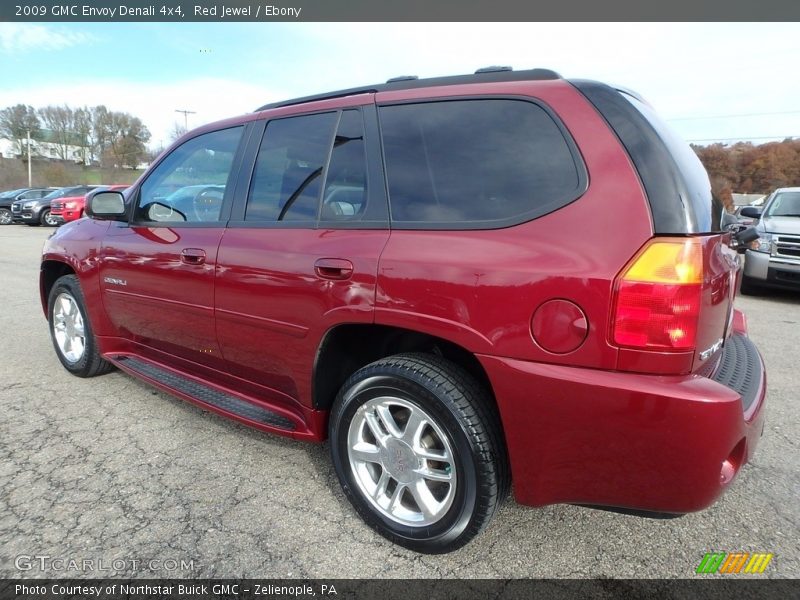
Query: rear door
301, 251
157, 272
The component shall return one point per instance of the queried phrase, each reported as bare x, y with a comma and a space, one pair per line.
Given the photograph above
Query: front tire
6, 218
419, 452
748, 287
48, 219
71, 331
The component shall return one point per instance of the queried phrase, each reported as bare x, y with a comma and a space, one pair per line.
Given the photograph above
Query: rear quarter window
476, 164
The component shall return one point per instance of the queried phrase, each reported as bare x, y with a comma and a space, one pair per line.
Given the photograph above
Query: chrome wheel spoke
366, 453
380, 488
397, 495
414, 427
385, 415
435, 474
425, 500
375, 429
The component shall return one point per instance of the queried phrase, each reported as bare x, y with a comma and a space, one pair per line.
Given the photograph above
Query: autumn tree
747, 168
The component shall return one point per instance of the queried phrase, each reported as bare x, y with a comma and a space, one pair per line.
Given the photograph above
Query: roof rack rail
403, 78
493, 69
488, 75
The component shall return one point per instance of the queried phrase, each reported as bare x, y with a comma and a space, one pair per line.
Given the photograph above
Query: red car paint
599, 424
71, 208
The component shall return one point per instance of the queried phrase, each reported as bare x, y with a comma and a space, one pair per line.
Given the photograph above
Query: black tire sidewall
69, 284
442, 534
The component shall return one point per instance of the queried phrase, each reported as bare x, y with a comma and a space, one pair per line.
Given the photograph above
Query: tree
127, 139
60, 121
15, 123
177, 131
84, 133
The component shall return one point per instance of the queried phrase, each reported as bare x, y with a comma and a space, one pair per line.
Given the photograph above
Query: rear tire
418, 448
71, 331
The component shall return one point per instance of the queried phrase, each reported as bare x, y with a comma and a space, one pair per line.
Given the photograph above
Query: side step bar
205, 394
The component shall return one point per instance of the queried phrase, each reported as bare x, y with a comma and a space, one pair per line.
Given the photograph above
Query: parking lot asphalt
111, 471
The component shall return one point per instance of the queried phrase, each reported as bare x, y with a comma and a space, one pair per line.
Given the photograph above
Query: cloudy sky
712, 81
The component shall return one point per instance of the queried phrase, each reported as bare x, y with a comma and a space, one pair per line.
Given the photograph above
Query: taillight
657, 297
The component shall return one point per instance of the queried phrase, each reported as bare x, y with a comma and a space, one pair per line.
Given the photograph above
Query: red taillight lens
657, 301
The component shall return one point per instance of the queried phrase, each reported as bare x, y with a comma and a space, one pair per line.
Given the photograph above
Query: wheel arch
49, 273
346, 348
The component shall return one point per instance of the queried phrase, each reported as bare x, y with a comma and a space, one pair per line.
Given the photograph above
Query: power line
764, 114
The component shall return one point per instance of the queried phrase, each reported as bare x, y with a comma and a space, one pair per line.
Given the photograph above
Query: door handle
193, 256
333, 268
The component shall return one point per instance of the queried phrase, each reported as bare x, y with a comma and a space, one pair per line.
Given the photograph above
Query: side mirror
106, 206
752, 212
744, 238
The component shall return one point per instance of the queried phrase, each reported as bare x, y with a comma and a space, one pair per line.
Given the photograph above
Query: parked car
424, 273
774, 259
69, 209
37, 212
8, 198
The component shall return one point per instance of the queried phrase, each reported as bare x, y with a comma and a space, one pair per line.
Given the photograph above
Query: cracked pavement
110, 469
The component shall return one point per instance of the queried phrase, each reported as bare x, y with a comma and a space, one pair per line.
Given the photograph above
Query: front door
157, 272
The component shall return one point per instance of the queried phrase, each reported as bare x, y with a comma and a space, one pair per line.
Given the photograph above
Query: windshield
784, 204
58, 194
11, 193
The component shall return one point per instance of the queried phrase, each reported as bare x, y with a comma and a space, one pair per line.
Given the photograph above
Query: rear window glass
697, 187
475, 163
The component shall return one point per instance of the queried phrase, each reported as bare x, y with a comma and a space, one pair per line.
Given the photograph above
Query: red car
459, 282
71, 208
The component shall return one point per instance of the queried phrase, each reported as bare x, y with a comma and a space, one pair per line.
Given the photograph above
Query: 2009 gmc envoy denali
459, 281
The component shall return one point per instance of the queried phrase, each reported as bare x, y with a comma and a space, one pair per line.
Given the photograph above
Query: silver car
774, 258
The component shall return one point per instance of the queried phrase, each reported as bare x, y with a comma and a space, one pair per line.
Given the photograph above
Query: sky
712, 82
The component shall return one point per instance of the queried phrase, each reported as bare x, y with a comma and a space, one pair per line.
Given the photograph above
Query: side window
476, 163
345, 197
287, 180
189, 184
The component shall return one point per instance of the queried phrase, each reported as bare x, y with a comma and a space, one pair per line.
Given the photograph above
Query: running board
204, 394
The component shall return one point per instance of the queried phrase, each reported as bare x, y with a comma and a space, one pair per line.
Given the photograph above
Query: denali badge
115, 281
706, 353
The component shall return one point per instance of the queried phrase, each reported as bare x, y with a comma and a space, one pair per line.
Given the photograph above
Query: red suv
457, 281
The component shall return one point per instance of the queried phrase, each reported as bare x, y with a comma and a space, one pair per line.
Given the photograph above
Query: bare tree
177, 131
60, 120
15, 123
84, 133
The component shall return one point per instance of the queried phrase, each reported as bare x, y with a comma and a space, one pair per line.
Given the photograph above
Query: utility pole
29, 158
186, 114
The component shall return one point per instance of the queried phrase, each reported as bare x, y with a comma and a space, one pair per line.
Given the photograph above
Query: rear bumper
669, 444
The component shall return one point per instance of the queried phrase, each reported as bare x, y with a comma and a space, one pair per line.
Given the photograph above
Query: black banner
392, 589
407, 10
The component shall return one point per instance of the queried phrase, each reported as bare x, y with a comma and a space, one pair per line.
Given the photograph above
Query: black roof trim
407, 84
